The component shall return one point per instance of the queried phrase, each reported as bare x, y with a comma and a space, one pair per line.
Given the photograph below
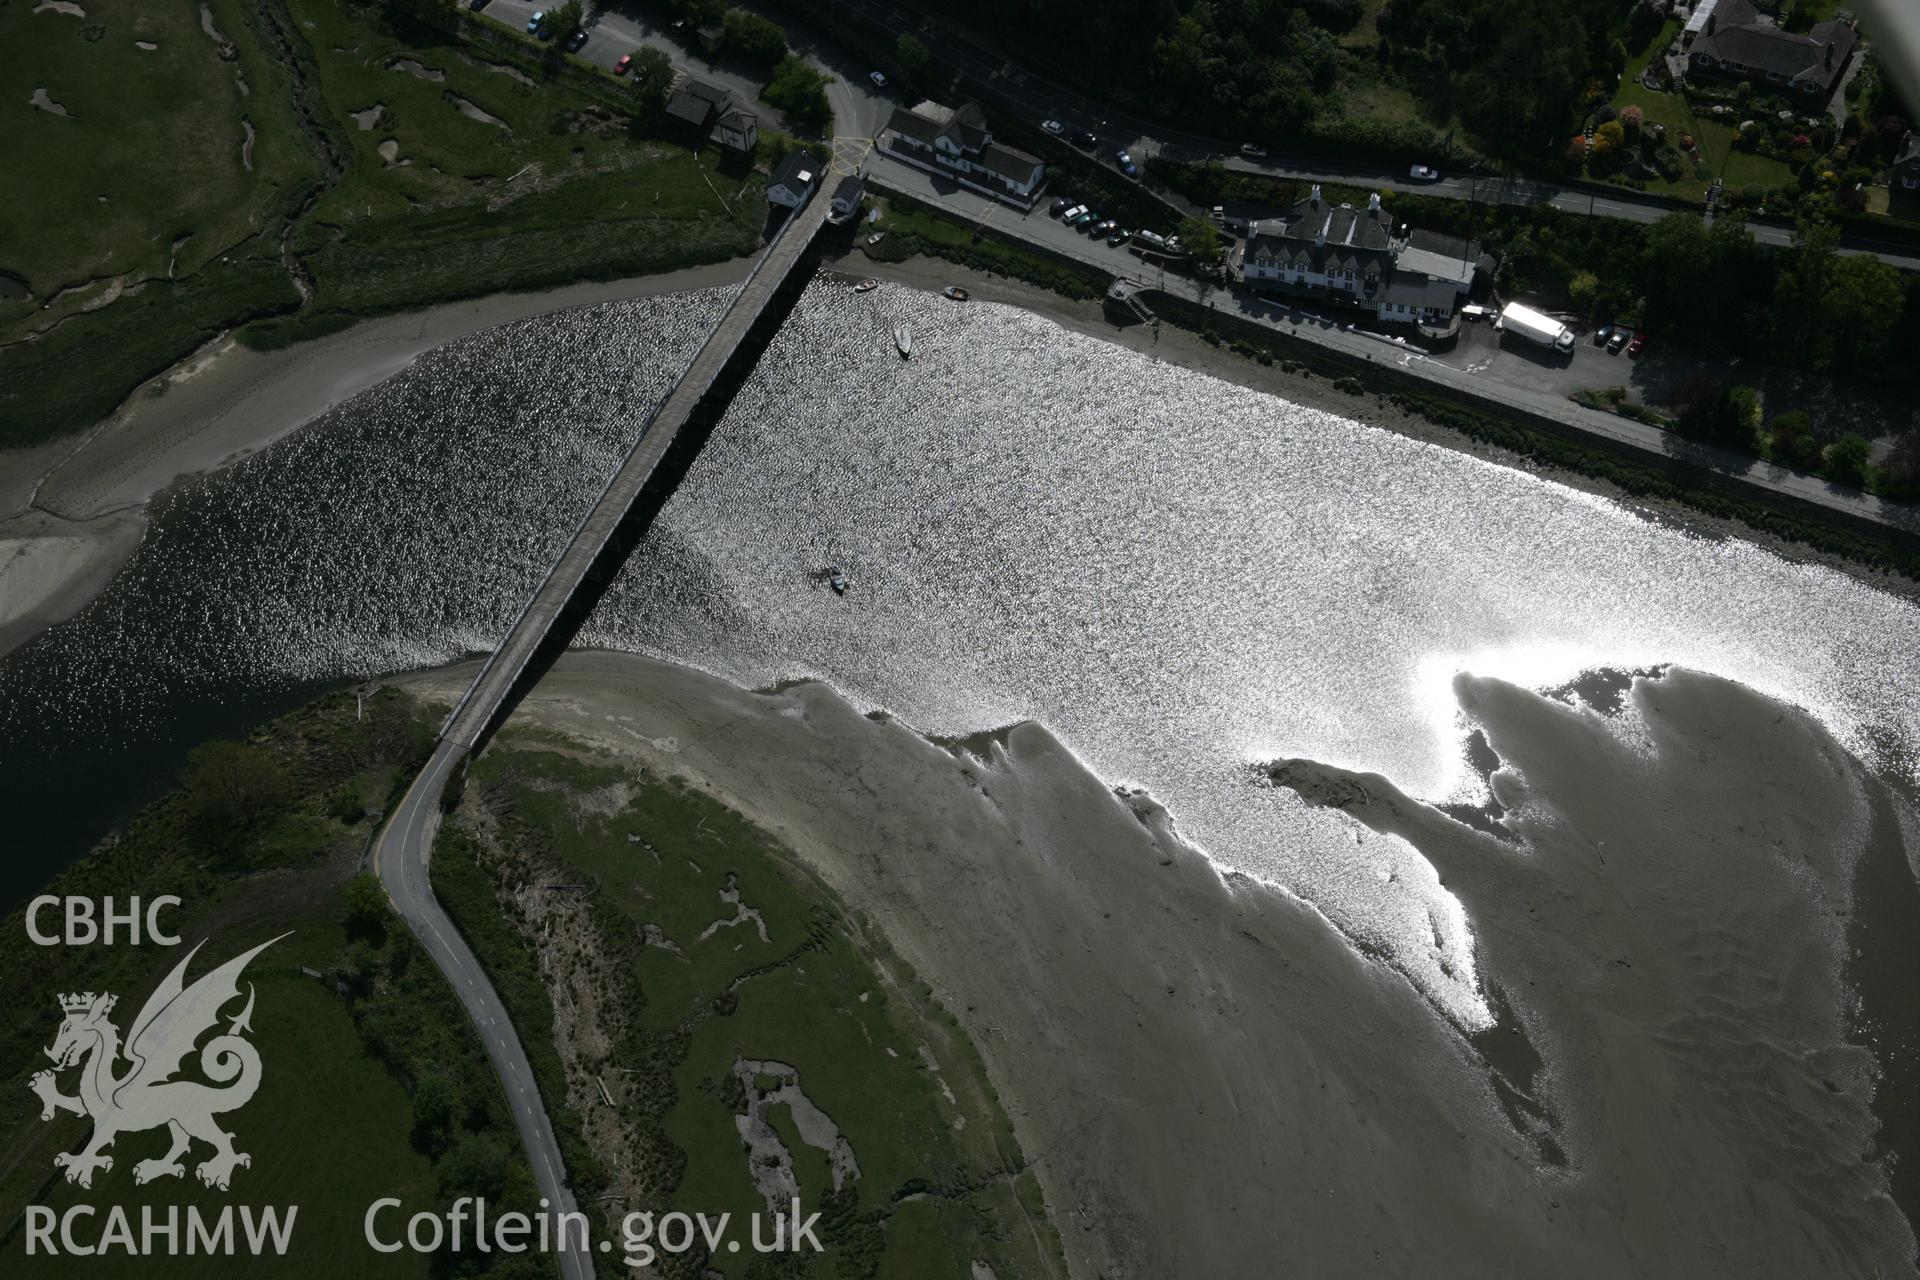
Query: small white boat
838, 581
866, 285
954, 293
903, 339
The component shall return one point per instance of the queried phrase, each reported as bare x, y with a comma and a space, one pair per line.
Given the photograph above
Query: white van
1474, 311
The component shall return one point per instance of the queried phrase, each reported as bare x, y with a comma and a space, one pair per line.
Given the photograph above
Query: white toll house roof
1440, 266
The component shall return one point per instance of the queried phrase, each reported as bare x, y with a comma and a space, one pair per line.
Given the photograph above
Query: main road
1011, 89
1510, 373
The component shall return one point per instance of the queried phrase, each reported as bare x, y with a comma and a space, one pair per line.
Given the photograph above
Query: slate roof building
1318, 245
736, 130
706, 112
956, 144
793, 180
847, 194
1733, 42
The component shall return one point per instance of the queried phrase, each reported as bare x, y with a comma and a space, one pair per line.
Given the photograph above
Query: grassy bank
695, 973
912, 228
372, 1083
388, 166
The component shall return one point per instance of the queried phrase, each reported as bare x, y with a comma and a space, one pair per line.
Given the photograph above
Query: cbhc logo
84, 926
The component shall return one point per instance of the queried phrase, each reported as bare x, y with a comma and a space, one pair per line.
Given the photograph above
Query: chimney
1316, 194
1320, 235
1829, 55
1373, 202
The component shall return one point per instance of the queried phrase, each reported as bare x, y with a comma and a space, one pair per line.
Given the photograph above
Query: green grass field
150, 224
334, 1124
942, 1182
145, 177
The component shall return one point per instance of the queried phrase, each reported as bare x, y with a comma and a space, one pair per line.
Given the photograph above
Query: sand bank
1211, 1082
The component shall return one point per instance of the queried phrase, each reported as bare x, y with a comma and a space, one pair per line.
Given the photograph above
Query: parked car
1601, 335
1618, 340
478, 5
538, 20
1119, 237
1423, 173
1253, 151
623, 66
1125, 162
1084, 140
1060, 205
1474, 311
879, 80
1053, 127
1638, 345
576, 40
1086, 216
1073, 211
1100, 230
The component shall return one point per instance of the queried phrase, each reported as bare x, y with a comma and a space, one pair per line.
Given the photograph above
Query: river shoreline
72, 512
1206, 1071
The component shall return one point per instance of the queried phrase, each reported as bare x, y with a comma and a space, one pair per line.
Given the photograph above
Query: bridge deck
483, 700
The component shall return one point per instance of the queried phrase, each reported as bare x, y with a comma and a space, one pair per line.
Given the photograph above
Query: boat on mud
903, 341
954, 293
866, 285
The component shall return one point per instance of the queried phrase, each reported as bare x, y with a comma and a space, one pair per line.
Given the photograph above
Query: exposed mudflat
1217, 1083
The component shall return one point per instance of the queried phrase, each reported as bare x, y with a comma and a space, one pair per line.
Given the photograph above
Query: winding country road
400, 859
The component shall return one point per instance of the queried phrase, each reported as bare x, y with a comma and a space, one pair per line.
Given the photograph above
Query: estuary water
1181, 578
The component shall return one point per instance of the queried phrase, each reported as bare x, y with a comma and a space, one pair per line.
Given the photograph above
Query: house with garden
1358, 257
1731, 41
1906, 164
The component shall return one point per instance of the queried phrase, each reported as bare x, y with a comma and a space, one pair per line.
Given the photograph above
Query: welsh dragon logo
145, 1095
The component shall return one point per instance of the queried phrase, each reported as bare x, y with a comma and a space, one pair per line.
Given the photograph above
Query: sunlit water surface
1178, 576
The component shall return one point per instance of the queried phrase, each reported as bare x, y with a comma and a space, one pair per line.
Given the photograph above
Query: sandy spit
1212, 1082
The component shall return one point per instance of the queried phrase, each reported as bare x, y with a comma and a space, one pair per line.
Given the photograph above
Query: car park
1424, 173
1618, 341
878, 78
1125, 162
1053, 127
1638, 345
